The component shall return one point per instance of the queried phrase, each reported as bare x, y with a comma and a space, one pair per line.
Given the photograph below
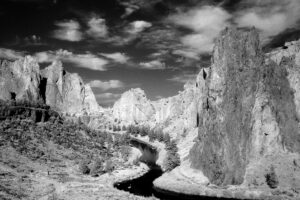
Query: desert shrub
172, 159
159, 135
152, 135
125, 152
84, 166
97, 167
109, 166
271, 178
144, 131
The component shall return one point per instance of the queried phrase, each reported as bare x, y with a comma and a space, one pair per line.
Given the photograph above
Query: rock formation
246, 107
20, 80
65, 92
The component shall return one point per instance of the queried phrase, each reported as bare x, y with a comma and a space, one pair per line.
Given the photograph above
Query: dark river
143, 186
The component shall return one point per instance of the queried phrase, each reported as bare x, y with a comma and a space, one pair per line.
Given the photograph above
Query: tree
167, 138
152, 135
144, 131
96, 167
83, 166
160, 135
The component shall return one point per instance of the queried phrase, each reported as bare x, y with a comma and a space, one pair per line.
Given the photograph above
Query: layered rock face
63, 91
133, 107
67, 92
20, 80
249, 121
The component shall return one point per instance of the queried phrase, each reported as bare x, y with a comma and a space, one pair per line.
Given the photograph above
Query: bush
152, 135
84, 167
109, 166
96, 167
172, 159
167, 138
159, 135
271, 178
125, 152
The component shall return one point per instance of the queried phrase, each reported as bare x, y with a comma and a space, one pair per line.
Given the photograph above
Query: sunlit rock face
67, 92
249, 118
23, 80
20, 79
133, 107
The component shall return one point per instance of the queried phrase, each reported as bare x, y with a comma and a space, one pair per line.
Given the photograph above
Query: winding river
143, 186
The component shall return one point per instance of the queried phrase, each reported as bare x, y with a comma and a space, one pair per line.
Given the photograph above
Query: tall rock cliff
23, 80
249, 122
66, 91
20, 79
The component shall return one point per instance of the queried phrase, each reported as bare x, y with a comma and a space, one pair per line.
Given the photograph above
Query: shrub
171, 161
159, 135
152, 135
167, 138
125, 152
96, 167
84, 166
271, 178
109, 166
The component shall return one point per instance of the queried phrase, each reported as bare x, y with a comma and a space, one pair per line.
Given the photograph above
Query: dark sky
156, 45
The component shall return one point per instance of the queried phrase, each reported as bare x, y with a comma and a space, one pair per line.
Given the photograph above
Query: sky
156, 45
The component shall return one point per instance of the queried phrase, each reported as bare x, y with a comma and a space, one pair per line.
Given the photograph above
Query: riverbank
184, 180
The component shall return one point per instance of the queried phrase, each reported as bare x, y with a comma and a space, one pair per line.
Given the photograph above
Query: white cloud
88, 60
183, 78
152, 65
187, 53
97, 28
269, 16
117, 57
106, 85
107, 99
138, 26
68, 30
11, 54
206, 22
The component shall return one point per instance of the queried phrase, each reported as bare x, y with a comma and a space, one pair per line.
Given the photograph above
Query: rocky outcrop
65, 92
245, 109
249, 123
19, 80
133, 107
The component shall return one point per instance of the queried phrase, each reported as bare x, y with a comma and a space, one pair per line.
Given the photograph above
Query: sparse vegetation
172, 159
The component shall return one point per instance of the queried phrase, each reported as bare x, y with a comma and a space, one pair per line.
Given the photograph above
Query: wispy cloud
153, 65
68, 30
116, 57
10, 54
183, 78
206, 22
138, 26
97, 28
88, 60
106, 85
107, 99
270, 16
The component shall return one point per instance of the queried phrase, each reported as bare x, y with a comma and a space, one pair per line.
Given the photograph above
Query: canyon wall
241, 113
65, 92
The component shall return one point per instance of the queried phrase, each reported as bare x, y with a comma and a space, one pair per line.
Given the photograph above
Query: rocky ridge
22, 80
